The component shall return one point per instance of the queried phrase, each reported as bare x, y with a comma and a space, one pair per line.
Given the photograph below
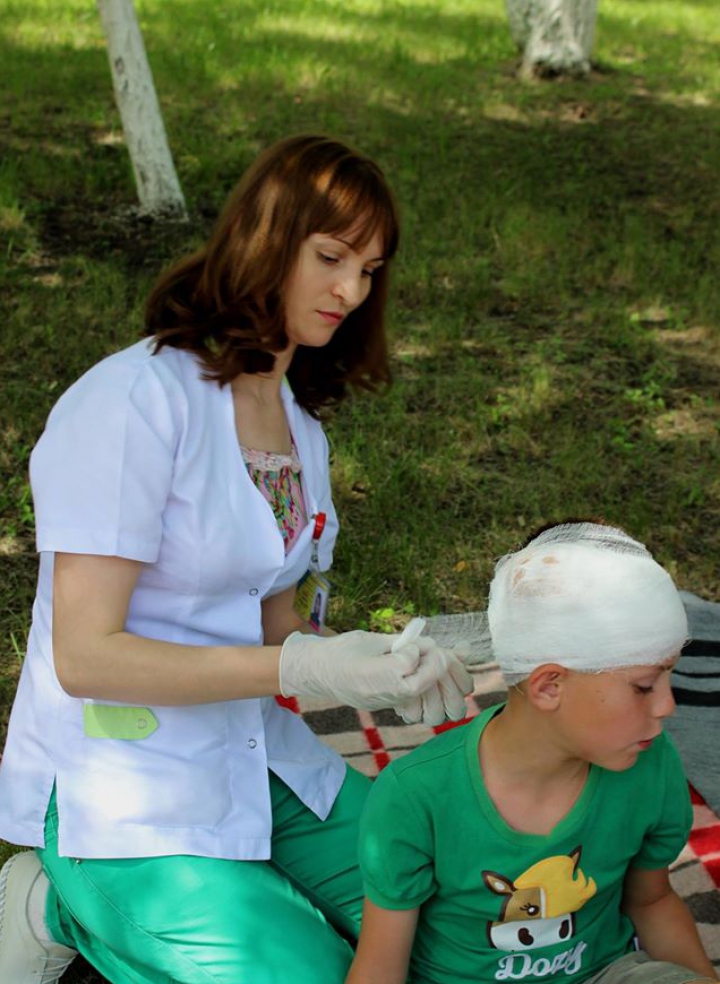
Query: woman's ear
544, 686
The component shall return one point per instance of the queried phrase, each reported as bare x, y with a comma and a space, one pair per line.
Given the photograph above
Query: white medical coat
140, 459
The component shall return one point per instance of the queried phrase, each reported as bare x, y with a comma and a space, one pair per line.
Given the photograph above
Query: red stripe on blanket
377, 747
712, 866
706, 840
450, 724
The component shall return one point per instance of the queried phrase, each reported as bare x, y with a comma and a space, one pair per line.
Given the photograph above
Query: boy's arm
664, 924
383, 951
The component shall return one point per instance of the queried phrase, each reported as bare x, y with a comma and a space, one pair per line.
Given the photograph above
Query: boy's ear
544, 686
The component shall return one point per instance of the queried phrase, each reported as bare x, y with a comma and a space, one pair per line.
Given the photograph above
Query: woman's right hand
368, 670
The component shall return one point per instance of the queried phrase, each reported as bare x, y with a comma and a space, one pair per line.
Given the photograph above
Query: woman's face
329, 280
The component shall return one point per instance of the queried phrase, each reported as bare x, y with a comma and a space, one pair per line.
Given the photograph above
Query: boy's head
584, 596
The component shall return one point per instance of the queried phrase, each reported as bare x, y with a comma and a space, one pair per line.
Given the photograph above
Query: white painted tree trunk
155, 177
555, 36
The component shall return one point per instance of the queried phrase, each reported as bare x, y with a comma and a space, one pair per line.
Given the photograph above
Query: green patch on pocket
111, 721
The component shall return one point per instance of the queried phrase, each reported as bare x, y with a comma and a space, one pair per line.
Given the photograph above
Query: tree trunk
555, 36
155, 178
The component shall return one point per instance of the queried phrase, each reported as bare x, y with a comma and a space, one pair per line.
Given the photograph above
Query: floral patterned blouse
277, 476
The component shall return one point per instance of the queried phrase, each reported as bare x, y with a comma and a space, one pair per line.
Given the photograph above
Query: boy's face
610, 718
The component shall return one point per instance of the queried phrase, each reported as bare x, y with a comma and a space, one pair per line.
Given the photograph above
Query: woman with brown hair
190, 828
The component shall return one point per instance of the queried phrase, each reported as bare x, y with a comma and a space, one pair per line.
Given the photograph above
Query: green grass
556, 308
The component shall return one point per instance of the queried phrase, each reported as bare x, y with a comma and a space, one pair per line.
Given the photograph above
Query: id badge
313, 589
311, 598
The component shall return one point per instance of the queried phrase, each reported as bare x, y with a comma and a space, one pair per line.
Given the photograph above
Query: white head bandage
585, 596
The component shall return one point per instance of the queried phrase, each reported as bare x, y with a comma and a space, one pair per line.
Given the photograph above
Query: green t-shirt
500, 905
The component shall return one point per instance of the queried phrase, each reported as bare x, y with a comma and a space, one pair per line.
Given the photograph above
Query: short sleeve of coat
101, 471
669, 833
395, 847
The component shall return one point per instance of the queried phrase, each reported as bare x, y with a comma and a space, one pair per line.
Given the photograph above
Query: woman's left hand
446, 697
444, 700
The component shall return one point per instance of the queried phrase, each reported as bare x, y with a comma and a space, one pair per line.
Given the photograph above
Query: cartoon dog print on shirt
539, 906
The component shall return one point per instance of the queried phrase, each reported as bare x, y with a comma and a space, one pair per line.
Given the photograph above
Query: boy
533, 843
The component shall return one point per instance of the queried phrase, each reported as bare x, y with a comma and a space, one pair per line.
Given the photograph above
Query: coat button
253, 591
252, 743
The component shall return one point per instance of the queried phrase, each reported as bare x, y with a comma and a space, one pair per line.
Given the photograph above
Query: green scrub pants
192, 920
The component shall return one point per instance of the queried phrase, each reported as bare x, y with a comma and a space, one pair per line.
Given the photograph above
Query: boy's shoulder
437, 753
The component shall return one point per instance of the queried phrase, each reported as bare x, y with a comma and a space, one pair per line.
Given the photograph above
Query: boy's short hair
584, 595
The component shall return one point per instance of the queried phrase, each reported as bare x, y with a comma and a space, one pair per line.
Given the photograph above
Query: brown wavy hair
225, 302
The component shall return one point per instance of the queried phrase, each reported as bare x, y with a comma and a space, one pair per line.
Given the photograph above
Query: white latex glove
444, 701
446, 698
360, 669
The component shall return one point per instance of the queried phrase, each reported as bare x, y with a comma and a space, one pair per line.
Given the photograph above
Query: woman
190, 829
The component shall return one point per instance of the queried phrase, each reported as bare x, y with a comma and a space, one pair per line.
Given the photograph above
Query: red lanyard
317, 533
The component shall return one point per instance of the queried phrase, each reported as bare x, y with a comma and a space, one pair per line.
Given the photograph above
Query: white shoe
24, 959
